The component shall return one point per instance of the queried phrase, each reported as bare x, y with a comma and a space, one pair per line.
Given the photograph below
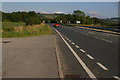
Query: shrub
32, 20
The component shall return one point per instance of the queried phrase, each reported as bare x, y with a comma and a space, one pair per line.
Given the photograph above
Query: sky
60, 0
94, 9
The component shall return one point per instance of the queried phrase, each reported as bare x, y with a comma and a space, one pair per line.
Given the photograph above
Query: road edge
104, 31
57, 52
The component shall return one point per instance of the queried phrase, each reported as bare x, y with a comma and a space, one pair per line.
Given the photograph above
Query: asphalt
102, 47
69, 65
31, 57
49, 56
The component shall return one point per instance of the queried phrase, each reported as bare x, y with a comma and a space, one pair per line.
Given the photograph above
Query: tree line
78, 15
32, 17
84, 19
29, 18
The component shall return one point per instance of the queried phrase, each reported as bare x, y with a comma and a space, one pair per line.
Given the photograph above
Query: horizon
56, 14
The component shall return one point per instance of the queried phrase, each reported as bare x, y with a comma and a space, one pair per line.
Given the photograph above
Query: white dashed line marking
67, 38
76, 46
85, 34
105, 35
73, 43
103, 67
116, 77
70, 41
88, 71
91, 32
82, 50
90, 56
113, 35
103, 39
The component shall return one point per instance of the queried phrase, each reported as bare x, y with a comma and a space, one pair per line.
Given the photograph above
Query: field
12, 24
19, 29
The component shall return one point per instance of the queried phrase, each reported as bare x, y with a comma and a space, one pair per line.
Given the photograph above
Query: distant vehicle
56, 25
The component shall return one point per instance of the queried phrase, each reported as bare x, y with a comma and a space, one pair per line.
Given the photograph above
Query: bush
32, 20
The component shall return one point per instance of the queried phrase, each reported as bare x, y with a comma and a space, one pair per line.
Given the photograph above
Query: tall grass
26, 31
9, 26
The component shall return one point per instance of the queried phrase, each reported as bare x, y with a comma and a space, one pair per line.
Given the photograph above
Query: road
97, 50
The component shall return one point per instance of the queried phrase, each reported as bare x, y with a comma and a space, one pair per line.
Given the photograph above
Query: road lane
102, 51
91, 75
107, 36
70, 66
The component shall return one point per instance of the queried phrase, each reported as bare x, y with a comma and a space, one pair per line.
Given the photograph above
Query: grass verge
114, 27
26, 31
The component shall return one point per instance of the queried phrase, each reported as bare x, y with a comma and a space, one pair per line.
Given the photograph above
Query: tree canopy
28, 17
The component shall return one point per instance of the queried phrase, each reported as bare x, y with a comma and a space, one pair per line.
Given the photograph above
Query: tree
32, 20
59, 18
79, 13
28, 17
32, 13
69, 18
95, 20
79, 16
88, 20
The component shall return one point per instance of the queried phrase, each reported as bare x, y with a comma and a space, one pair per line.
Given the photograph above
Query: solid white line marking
90, 56
73, 43
103, 39
76, 46
116, 77
91, 75
82, 50
103, 67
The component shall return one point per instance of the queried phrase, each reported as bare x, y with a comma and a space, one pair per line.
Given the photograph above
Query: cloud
43, 12
59, 12
95, 14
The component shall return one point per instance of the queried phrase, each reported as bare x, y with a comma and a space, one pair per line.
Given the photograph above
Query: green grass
12, 24
20, 30
9, 26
